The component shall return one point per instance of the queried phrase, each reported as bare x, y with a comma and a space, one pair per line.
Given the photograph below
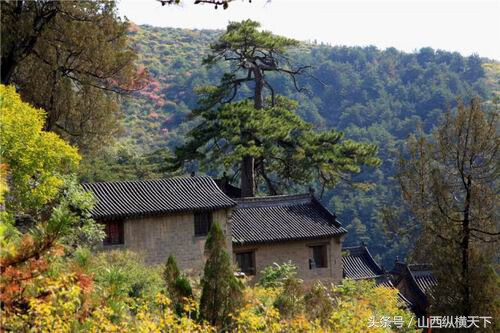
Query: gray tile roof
358, 263
425, 280
420, 284
420, 277
153, 197
282, 218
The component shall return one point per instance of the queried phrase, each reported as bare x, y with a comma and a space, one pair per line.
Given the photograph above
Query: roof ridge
420, 267
350, 248
138, 181
275, 197
274, 201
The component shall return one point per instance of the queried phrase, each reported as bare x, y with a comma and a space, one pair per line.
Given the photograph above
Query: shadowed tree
178, 285
451, 186
79, 51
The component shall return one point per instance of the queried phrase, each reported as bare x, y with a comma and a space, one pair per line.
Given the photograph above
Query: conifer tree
178, 285
221, 290
170, 274
261, 139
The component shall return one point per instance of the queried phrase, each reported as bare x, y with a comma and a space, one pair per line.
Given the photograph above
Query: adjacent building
415, 282
359, 264
296, 228
172, 216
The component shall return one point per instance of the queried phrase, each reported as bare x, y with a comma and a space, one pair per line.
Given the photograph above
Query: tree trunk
465, 250
248, 162
247, 176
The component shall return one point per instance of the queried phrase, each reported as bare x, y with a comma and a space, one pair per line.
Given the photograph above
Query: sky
469, 27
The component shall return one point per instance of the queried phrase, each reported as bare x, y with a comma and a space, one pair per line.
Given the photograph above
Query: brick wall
158, 237
299, 252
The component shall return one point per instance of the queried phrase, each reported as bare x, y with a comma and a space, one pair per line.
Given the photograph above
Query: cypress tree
221, 290
170, 274
178, 285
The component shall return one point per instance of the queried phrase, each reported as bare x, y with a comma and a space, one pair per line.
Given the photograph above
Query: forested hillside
372, 95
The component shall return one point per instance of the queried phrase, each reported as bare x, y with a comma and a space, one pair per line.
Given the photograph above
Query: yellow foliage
360, 302
36, 159
64, 302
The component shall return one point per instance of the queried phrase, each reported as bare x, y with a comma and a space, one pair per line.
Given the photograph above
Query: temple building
172, 216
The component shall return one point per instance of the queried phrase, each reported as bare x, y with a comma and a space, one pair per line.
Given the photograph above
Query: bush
123, 275
276, 275
318, 303
178, 285
290, 302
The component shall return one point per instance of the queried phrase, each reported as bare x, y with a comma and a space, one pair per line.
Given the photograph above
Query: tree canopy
450, 185
36, 160
287, 150
79, 50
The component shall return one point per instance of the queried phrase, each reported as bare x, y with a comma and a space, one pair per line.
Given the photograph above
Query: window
246, 262
114, 233
319, 257
202, 223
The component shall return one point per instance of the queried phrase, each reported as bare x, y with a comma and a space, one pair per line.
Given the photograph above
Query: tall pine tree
261, 139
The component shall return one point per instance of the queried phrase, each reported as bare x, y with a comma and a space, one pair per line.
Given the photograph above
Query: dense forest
371, 95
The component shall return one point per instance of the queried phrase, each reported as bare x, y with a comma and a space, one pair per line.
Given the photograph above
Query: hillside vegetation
378, 96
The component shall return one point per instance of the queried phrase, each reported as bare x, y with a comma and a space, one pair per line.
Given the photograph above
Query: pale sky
465, 26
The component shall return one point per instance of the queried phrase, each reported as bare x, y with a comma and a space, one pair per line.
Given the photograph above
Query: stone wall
299, 252
158, 237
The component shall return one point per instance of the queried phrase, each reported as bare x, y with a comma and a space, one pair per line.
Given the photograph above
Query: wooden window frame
324, 254
109, 240
250, 270
199, 219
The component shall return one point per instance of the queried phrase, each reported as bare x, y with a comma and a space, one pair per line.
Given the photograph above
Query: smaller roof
358, 263
120, 199
420, 281
282, 218
422, 274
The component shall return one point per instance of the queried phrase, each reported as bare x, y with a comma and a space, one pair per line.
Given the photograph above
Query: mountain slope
374, 95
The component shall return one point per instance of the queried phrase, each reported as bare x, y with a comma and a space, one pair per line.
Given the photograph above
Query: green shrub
318, 303
221, 292
276, 275
124, 274
178, 285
